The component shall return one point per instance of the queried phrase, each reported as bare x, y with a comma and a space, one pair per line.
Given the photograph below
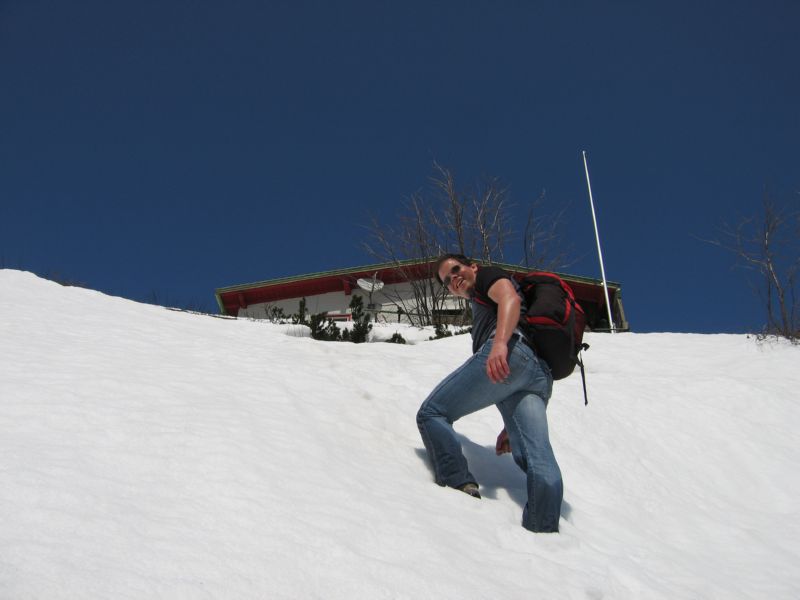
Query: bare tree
769, 244
475, 222
412, 239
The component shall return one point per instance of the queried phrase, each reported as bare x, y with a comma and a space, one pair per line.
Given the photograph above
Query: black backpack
554, 323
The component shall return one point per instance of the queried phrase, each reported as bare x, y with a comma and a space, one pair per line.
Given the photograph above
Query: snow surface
148, 453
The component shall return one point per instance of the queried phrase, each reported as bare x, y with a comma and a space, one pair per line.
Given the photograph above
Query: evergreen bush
396, 339
361, 324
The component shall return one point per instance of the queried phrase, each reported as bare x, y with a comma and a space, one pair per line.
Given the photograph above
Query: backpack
554, 323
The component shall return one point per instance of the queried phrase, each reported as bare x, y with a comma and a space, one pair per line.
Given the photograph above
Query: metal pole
599, 251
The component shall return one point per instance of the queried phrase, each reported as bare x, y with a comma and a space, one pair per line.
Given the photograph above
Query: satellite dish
370, 285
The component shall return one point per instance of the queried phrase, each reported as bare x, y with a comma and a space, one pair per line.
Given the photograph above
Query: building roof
232, 298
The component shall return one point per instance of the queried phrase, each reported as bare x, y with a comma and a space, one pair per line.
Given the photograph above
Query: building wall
338, 303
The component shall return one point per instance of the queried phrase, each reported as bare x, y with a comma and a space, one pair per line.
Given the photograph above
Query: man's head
457, 273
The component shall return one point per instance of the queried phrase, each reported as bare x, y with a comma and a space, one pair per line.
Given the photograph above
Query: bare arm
505, 295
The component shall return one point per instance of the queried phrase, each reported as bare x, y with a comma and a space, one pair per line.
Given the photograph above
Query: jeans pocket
541, 382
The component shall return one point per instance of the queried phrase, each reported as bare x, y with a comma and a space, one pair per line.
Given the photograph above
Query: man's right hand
497, 363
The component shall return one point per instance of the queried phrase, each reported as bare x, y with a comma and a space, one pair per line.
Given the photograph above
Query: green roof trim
388, 265
567, 276
349, 271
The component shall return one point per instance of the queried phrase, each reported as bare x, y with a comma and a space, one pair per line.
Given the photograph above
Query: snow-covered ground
148, 453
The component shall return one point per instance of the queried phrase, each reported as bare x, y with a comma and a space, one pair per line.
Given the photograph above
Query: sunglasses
454, 271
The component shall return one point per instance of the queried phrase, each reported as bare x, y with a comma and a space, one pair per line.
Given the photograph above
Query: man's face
457, 277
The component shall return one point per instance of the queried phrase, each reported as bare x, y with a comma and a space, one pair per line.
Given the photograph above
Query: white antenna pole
599, 251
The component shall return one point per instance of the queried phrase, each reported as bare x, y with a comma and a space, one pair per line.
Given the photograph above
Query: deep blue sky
171, 148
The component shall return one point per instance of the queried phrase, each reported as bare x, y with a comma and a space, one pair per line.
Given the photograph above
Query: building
330, 292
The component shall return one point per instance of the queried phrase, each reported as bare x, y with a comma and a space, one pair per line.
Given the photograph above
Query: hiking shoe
471, 489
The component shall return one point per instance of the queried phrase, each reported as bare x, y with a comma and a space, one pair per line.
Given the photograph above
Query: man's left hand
503, 445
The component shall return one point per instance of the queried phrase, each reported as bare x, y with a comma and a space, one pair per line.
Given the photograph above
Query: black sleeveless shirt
484, 309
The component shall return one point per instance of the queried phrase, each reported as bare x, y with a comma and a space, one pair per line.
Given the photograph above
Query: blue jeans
522, 401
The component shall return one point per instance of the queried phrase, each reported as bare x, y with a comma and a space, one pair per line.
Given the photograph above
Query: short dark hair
459, 257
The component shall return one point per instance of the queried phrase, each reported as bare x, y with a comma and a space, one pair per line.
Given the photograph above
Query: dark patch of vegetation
443, 331
396, 339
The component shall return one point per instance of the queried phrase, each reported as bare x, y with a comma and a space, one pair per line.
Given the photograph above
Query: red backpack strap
480, 300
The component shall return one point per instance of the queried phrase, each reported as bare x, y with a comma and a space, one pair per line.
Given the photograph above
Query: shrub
361, 326
396, 339
324, 329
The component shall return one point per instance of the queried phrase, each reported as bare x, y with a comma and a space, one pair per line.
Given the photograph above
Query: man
503, 371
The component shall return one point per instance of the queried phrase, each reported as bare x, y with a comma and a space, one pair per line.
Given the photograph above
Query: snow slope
148, 453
